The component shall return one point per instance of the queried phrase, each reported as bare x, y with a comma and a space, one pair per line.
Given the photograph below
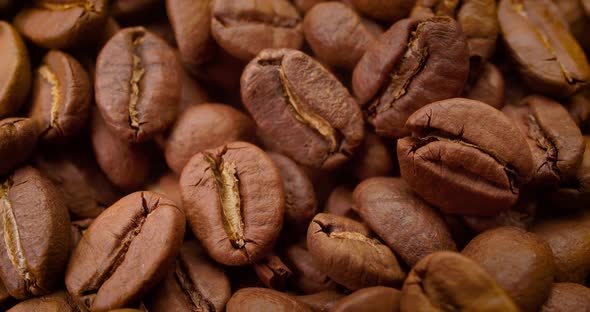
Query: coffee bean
371, 299
290, 95
576, 18
337, 34
374, 158
346, 251
132, 8
522, 215
449, 281
137, 84
59, 301
579, 109
569, 238
234, 201
406, 223
387, 11
36, 229
197, 284
125, 252
488, 87
521, 262
465, 157
169, 185
307, 275
549, 58
273, 272
62, 24
61, 96
323, 301
340, 202
262, 299
204, 127
18, 137
567, 297
243, 28
393, 80
15, 68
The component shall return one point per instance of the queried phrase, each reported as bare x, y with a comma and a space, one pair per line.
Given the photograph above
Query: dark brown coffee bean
300, 200
337, 34
85, 190
477, 19
16, 70
372, 299
125, 252
340, 202
346, 251
125, 164
407, 224
549, 58
62, 24
36, 229
243, 28
61, 96
393, 80
465, 157
448, 281
137, 84
18, 137
191, 21
555, 141
323, 301
204, 127
273, 272
567, 297
374, 159
197, 284
292, 96
488, 87
59, 301
307, 276
387, 11
569, 238
234, 201
262, 299
521, 262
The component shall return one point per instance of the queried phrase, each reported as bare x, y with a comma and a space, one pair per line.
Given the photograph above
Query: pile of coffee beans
294, 155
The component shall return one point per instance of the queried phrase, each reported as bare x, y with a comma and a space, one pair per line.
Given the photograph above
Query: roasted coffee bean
567, 297
85, 190
522, 215
197, 284
305, 5
307, 275
478, 19
291, 95
407, 224
323, 301
204, 127
387, 11
346, 251
243, 28
125, 164
61, 96
59, 301
586, 4
16, 70
447, 281
465, 157
125, 252
521, 262
549, 58
374, 158
273, 272
192, 93
300, 200
337, 35
191, 21
340, 202
137, 84
234, 201
78, 228
393, 80
371, 299
262, 299
169, 185
555, 141
59, 24
18, 137
579, 108
5, 299
36, 229
577, 20
488, 87
569, 238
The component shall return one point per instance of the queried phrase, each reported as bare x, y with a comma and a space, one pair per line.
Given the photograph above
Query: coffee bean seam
12, 242
545, 143
87, 5
355, 236
136, 75
50, 77
257, 18
192, 294
519, 8
402, 75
